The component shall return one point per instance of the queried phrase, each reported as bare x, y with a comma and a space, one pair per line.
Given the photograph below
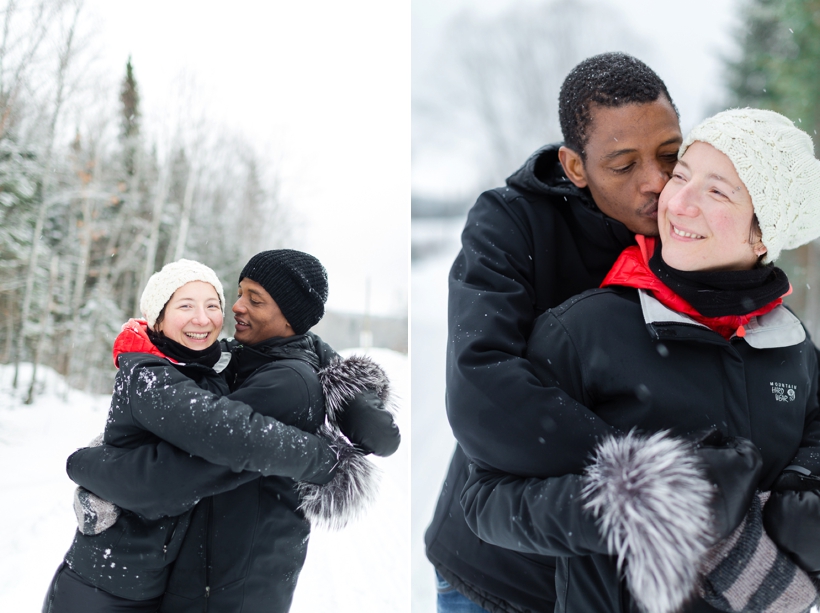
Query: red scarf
134, 339
631, 269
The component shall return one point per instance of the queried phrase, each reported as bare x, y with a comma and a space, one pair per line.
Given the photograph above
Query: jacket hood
543, 174
133, 338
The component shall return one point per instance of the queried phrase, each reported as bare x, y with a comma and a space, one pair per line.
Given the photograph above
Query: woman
168, 387
686, 338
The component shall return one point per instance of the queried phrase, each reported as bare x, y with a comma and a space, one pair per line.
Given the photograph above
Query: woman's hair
159, 320
609, 80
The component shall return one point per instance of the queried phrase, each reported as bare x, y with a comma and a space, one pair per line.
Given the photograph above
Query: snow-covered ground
433, 440
364, 568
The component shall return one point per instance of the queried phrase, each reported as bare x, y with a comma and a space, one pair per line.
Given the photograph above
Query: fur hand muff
351, 491
343, 379
355, 484
651, 501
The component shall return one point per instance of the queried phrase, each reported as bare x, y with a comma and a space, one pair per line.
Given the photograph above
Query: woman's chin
675, 258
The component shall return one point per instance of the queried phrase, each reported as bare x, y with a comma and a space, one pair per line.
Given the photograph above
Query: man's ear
573, 166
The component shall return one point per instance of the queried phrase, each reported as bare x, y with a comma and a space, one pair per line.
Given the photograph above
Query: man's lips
651, 210
241, 324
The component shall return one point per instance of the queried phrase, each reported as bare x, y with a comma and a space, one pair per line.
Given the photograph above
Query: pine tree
751, 77
129, 119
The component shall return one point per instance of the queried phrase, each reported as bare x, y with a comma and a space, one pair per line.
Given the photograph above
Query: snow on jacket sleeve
218, 429
154, 480
501, 413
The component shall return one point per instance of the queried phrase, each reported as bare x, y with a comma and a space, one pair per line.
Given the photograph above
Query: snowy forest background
94, 198
485, 80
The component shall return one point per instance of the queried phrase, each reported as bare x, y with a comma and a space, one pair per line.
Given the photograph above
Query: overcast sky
323, 88
683, 43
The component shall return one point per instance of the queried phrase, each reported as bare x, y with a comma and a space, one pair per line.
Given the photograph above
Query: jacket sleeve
643, 500
504, 416
530, 515
153, 480
221, 430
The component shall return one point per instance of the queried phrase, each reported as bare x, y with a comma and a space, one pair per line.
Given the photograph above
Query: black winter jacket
245, 547
637, 364
526, 247
185, 405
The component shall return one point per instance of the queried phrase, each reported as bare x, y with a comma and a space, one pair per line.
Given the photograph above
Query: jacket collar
631, 269
247, 358
777, 328
296, 347
133, 338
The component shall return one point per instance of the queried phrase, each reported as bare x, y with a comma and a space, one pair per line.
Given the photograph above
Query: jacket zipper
171, 532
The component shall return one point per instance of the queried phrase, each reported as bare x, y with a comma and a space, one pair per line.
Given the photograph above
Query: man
247, 538
552, 232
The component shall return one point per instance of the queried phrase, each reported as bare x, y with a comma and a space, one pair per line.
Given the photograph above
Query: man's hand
734, 466
792, 517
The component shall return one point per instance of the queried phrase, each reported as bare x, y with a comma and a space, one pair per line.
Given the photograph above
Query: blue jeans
450, 600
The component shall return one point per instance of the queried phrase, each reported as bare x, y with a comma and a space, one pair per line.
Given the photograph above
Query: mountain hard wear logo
783, 392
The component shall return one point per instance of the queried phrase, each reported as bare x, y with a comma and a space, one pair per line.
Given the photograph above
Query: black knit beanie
297, 281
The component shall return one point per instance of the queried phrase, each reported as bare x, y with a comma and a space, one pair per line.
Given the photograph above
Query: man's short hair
608, 79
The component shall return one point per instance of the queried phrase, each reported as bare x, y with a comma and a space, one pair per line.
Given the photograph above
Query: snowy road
433, 441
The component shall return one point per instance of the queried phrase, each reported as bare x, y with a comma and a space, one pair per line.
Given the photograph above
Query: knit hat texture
775, 160
297, 281
162, 285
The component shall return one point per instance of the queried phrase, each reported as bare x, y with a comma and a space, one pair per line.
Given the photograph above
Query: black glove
734, 466
792, 517
369, 425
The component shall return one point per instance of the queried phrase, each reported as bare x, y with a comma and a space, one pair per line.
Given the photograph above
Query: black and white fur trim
343, 379
652, 504
355, 485
351, 491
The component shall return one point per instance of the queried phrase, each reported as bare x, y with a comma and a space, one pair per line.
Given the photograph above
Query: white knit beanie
775, 160
162, 285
